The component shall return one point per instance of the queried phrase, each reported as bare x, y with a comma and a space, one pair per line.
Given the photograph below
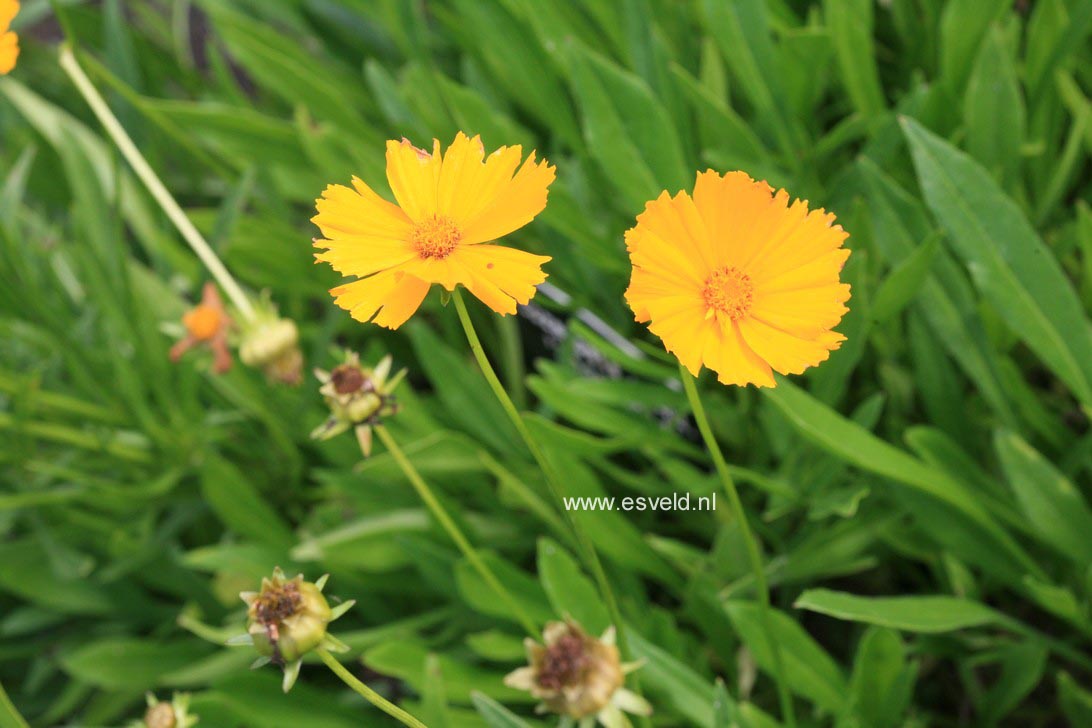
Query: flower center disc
435, 237
202, 322
729, 291
564, 663
278, 603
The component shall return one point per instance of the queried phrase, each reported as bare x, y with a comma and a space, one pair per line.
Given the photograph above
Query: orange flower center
202, 322
729, 291
435, 237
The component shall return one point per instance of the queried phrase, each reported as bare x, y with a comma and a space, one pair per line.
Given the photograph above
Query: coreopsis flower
286, 619
578, 676
450, 206
9, 41
358, 397
739, 280
271, 343
161, 714
206, 324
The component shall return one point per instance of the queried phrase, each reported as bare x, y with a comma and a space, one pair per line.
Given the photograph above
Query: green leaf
674, 682
850, 24
923, 614
904, 282
994, 110
883, 679
495, 714
129, 663
1075, 701
571, 593
1007, 260
1053, 506
809, 670
240, 506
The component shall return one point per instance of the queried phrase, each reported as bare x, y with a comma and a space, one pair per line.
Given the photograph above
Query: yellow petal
513, 203
501, 277
8, 10
364, 297
402, 302
676, 220
784, 352
345, 211
9, 52
360, 256
414, 177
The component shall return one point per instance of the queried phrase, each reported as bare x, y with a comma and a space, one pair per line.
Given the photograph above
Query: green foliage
923, 498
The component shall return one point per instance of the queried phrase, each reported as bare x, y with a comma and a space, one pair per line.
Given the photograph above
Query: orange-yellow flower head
449, 207
9, 42
739, 280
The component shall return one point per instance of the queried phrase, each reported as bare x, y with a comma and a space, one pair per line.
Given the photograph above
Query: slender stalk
367, 693
9, 716
753, 552
453, 530
552, 479
156, 187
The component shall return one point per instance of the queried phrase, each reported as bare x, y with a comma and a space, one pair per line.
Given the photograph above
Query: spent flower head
206, 324
9, 41
358, 397
161, 714
739, 279
286, 619
271, 343
578, 676
451, 205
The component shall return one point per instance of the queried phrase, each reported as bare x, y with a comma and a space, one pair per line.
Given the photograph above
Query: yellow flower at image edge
449, 207
578, 676
9, 42
739, 280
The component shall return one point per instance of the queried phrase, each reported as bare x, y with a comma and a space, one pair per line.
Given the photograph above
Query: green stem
753, 552
554, 482
367, 693
441, 515
9, 716
155, 186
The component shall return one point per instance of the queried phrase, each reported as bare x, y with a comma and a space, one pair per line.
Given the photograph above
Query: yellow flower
738, 279
449, 207
578, 676
9, 42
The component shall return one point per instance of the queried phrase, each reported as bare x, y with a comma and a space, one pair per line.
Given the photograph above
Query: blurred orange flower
207, 323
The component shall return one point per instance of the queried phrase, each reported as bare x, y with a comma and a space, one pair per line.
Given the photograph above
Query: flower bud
577, 675
286, 619
357, 397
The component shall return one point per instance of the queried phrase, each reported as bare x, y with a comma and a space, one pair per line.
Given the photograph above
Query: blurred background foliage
923, 497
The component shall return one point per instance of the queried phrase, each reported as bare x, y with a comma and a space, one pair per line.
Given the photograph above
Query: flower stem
552, 479
452, 529
753, 552
367, 693
156, 187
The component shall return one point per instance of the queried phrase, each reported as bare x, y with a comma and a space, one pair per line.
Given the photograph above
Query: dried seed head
357, 396
286, 619
160, 715
575, 674
271, 343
